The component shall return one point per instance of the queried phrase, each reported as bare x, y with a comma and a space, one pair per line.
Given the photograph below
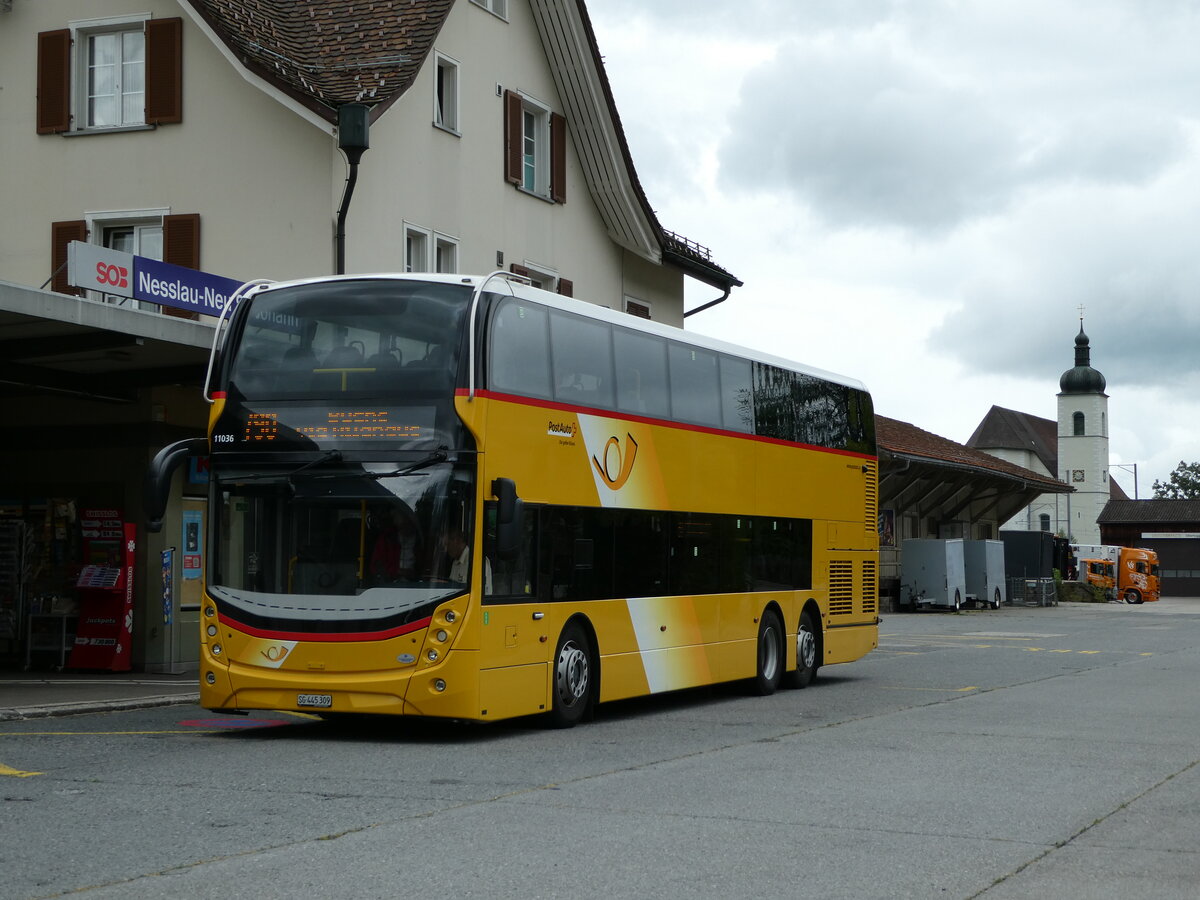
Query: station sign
121, 274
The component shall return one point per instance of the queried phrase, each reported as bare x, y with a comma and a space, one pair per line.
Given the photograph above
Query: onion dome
1082, 379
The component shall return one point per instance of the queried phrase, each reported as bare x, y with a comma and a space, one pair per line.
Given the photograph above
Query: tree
1183, 483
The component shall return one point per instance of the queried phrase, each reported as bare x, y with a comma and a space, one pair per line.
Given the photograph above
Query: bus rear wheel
807, 658
771, 659
572, 677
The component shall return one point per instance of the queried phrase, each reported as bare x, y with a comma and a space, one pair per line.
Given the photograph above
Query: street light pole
353, 140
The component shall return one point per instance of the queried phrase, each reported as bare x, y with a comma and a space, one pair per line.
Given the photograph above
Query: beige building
204, 133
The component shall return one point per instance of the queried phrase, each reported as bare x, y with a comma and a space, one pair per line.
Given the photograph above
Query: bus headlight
439, 685
210, 678
432, 654
216, 649
451, 615
210, 611
441, 636
212, 630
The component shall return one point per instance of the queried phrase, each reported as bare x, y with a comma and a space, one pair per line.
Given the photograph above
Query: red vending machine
104, 636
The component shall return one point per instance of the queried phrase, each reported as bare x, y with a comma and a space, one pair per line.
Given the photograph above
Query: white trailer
932, 573
984, 563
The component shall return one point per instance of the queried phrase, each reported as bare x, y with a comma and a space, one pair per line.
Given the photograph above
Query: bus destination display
265, 427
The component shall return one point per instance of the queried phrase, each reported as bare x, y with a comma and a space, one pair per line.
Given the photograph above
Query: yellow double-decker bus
466, 497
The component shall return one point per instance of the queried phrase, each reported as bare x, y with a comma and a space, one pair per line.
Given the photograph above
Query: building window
1078, 424
445, 254
445, 94
535, 147
115, 62
106, 74
639, 308
496, 7
544, 277
1044, 518
416, 249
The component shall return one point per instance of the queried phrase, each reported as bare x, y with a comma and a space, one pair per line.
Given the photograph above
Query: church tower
1083, 442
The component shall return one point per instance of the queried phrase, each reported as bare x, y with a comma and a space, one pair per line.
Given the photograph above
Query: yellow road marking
105, 733
16, 773
900, 687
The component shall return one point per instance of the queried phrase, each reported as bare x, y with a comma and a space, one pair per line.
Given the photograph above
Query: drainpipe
710, 303
353, 140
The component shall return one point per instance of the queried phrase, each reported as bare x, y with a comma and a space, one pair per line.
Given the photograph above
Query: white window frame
543, 277
445, 253
81, 31
418, 243
445, 89
99, 223
498, 8
646, 303
535, 137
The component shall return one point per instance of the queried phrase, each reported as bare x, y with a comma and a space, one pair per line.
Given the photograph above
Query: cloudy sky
922, 194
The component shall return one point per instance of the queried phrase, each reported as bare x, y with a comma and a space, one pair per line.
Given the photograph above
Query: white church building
1073, 450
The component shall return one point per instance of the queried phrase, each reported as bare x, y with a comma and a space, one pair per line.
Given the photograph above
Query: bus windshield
339, 548
349, 337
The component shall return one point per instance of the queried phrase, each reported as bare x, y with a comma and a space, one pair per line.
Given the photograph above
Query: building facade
205, 133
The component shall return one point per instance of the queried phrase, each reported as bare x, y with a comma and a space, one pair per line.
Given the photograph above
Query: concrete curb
76, 708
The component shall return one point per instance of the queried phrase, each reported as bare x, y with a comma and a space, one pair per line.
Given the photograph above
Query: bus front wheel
1132, 596
769, 670
572, 677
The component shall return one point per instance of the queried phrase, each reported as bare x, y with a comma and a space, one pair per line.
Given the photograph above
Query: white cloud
921, 195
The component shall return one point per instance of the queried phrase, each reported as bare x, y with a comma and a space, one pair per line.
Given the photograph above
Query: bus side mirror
158, 477
510, 518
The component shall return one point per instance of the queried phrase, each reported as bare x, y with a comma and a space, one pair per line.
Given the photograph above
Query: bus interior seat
345, 357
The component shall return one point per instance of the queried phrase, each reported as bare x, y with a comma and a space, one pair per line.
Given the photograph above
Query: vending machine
104, 635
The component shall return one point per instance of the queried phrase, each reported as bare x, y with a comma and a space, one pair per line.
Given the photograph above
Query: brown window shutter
181, 240
512, 137
566, 288
61, 234
54, 81
164, 71
181, 247
516, 269
558, 158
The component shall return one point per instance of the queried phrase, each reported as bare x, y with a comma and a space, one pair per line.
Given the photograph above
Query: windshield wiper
437, 456
333, 455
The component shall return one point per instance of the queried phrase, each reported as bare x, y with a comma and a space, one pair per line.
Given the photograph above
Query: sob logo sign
614, 464
112, 274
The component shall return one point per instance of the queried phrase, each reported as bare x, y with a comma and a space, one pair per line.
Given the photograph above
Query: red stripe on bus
325, 636
219, 395
647, 420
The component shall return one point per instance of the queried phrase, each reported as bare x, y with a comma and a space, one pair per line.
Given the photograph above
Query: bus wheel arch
809, 648
574, 673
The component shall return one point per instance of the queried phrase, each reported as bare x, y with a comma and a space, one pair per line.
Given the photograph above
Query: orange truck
1135, 575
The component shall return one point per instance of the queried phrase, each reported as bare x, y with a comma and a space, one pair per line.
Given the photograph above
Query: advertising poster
168, 585
193, 544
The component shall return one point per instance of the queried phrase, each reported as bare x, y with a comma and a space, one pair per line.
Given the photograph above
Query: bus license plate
321, 701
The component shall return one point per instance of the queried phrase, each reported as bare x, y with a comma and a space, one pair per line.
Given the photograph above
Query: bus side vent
870, 588
871, 495
841, 588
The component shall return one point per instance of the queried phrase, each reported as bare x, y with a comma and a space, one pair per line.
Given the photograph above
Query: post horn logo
615, 464
276, 653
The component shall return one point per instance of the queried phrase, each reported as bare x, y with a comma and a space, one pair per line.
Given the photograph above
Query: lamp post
353, 140
1127, 467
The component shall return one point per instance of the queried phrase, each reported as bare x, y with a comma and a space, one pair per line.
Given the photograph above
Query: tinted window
737, 395
641, 361
695, 385
583, 367
519, 359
